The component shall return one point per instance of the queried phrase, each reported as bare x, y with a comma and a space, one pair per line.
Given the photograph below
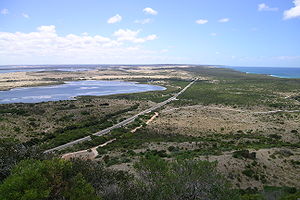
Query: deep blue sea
282, 72
72, 89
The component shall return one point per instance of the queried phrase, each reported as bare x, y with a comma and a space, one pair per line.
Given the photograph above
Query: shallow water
72, 89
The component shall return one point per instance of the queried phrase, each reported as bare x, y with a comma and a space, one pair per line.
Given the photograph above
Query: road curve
122, 123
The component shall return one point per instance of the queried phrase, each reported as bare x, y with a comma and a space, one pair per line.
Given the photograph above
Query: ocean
281, 72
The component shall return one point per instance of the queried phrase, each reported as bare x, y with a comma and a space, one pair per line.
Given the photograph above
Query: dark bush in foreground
45, 180
80, 180
12, 152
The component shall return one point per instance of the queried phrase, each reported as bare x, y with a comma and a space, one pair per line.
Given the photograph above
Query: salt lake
72, 89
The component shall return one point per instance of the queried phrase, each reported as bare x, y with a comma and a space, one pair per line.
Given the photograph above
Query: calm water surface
72, 89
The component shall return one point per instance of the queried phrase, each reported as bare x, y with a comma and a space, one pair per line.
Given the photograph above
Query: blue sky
226, 32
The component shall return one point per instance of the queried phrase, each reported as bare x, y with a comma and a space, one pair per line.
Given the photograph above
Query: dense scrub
242, 93
32, 178
79, 130
47, 178
55, 123
212, 144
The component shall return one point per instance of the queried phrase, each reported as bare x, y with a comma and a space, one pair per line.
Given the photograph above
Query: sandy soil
198, 120
278, 171
273, 164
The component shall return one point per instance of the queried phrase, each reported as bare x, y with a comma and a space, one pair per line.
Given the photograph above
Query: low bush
244, 154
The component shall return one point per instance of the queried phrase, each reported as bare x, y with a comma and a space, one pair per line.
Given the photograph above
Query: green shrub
35, 180
182, 179
173, 149
244, 154
249, 172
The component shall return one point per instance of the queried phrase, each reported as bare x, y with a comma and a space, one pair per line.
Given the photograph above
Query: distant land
281, 72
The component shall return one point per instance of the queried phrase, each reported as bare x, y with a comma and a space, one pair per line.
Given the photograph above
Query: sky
214, 32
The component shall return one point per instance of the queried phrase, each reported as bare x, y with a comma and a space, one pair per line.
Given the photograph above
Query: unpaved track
91, 153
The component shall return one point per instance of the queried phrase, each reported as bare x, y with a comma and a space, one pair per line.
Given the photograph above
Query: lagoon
72, 89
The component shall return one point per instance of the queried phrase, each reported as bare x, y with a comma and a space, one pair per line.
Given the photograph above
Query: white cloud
132, 36
46, 46
114, 19
47, 29
143, 21
265, 7
4, 11
293, 12
201, 21
223, 20
25, 15
150, 11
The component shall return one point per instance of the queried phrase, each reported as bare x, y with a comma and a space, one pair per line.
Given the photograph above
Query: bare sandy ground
197, 120
276, 168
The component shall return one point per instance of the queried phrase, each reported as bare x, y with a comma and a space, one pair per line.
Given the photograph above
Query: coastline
276, 72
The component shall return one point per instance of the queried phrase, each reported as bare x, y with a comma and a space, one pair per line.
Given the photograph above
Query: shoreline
246, 70
81, 90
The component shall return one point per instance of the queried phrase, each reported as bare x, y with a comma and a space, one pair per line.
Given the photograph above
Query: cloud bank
132, 36
46, 46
